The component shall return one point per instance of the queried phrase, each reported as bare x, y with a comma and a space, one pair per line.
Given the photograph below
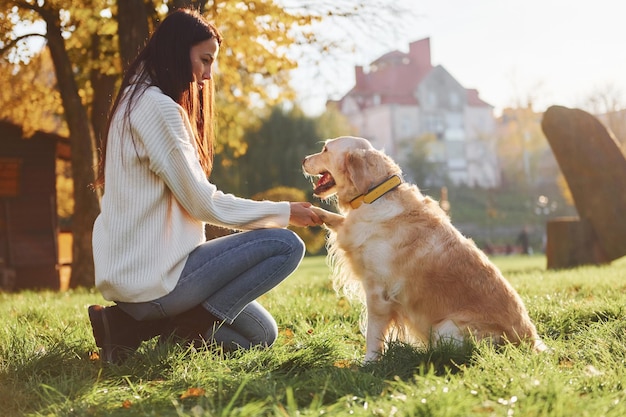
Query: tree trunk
86, 205
132, 28
103, 88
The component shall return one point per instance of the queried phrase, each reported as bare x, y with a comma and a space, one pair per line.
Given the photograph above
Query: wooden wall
28, 212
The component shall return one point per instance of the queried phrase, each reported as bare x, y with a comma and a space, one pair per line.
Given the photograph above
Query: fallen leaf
343, 363
193, 392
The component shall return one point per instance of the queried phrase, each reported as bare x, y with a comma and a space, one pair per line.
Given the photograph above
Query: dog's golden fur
417, 274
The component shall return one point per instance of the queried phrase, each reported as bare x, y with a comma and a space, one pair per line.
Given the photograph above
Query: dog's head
348, 167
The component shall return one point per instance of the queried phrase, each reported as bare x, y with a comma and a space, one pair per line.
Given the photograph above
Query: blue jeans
226, 275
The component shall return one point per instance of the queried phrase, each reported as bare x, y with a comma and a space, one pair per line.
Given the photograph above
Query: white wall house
402, 97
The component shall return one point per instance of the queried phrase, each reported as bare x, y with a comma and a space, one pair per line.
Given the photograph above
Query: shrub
313, 237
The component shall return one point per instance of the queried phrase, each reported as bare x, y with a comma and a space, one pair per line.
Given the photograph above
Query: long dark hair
164, 62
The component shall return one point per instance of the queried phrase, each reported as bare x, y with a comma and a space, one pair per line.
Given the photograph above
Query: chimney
419, 52
359, 76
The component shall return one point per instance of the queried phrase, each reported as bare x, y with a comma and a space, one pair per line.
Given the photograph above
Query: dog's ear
367, 167
357, 164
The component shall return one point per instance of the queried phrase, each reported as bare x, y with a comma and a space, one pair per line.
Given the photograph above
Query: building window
432, 99
434, 123
454, 100
405, 127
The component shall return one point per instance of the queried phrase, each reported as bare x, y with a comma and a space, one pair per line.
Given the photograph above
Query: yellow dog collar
376, 192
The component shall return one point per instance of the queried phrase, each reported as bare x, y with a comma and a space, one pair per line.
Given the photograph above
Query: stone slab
594, 167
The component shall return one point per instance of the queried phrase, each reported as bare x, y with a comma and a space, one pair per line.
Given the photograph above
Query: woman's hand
302, 215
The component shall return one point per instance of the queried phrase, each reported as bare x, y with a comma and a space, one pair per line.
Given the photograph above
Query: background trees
275, 151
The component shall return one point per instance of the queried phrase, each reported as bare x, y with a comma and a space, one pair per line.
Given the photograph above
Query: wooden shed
28, 208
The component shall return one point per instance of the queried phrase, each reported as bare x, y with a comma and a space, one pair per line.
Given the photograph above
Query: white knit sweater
156, 201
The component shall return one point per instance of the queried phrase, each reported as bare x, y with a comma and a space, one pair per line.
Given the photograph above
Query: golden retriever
397, 249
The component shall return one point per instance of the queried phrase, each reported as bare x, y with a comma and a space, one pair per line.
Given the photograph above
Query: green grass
315, 367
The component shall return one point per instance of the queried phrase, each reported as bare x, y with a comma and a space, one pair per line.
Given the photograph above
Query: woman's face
202, 56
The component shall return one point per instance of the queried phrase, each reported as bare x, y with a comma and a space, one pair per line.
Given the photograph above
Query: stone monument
594, 167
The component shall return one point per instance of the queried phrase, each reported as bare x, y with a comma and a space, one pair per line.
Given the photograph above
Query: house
403, 98
28, 208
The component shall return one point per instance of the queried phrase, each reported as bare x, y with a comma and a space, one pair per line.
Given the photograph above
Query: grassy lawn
315, 368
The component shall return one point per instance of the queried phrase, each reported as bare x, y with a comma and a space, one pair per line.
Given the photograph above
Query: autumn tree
34, 84
16, 14
521, 144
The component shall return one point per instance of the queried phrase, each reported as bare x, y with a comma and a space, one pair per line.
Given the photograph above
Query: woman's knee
288, 236
294, 241
290, 243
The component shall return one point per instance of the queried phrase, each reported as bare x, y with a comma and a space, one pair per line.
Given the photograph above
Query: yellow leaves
193, 392
253, 68
288, 336
253, 64
65, 189
32, 101
273, 67
344, 364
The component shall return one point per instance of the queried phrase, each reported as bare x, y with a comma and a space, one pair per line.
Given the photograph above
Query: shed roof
9, 130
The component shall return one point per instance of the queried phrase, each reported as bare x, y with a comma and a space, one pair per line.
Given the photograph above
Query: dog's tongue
324, 179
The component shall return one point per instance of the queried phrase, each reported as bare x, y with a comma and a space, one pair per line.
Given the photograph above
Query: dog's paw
540, 347
371, 357
330, 219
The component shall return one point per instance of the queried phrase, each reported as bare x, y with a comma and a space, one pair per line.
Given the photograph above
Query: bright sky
553, 51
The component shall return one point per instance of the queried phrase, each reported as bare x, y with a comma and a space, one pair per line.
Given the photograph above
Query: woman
149, 246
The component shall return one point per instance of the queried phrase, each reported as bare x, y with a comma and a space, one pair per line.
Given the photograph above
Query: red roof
473, 99
395, 82
394, 77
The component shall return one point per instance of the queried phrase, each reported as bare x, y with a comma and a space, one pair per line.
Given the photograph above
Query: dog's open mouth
325, 183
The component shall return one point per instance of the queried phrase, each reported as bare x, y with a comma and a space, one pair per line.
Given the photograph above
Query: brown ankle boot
191, 326
118, 334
